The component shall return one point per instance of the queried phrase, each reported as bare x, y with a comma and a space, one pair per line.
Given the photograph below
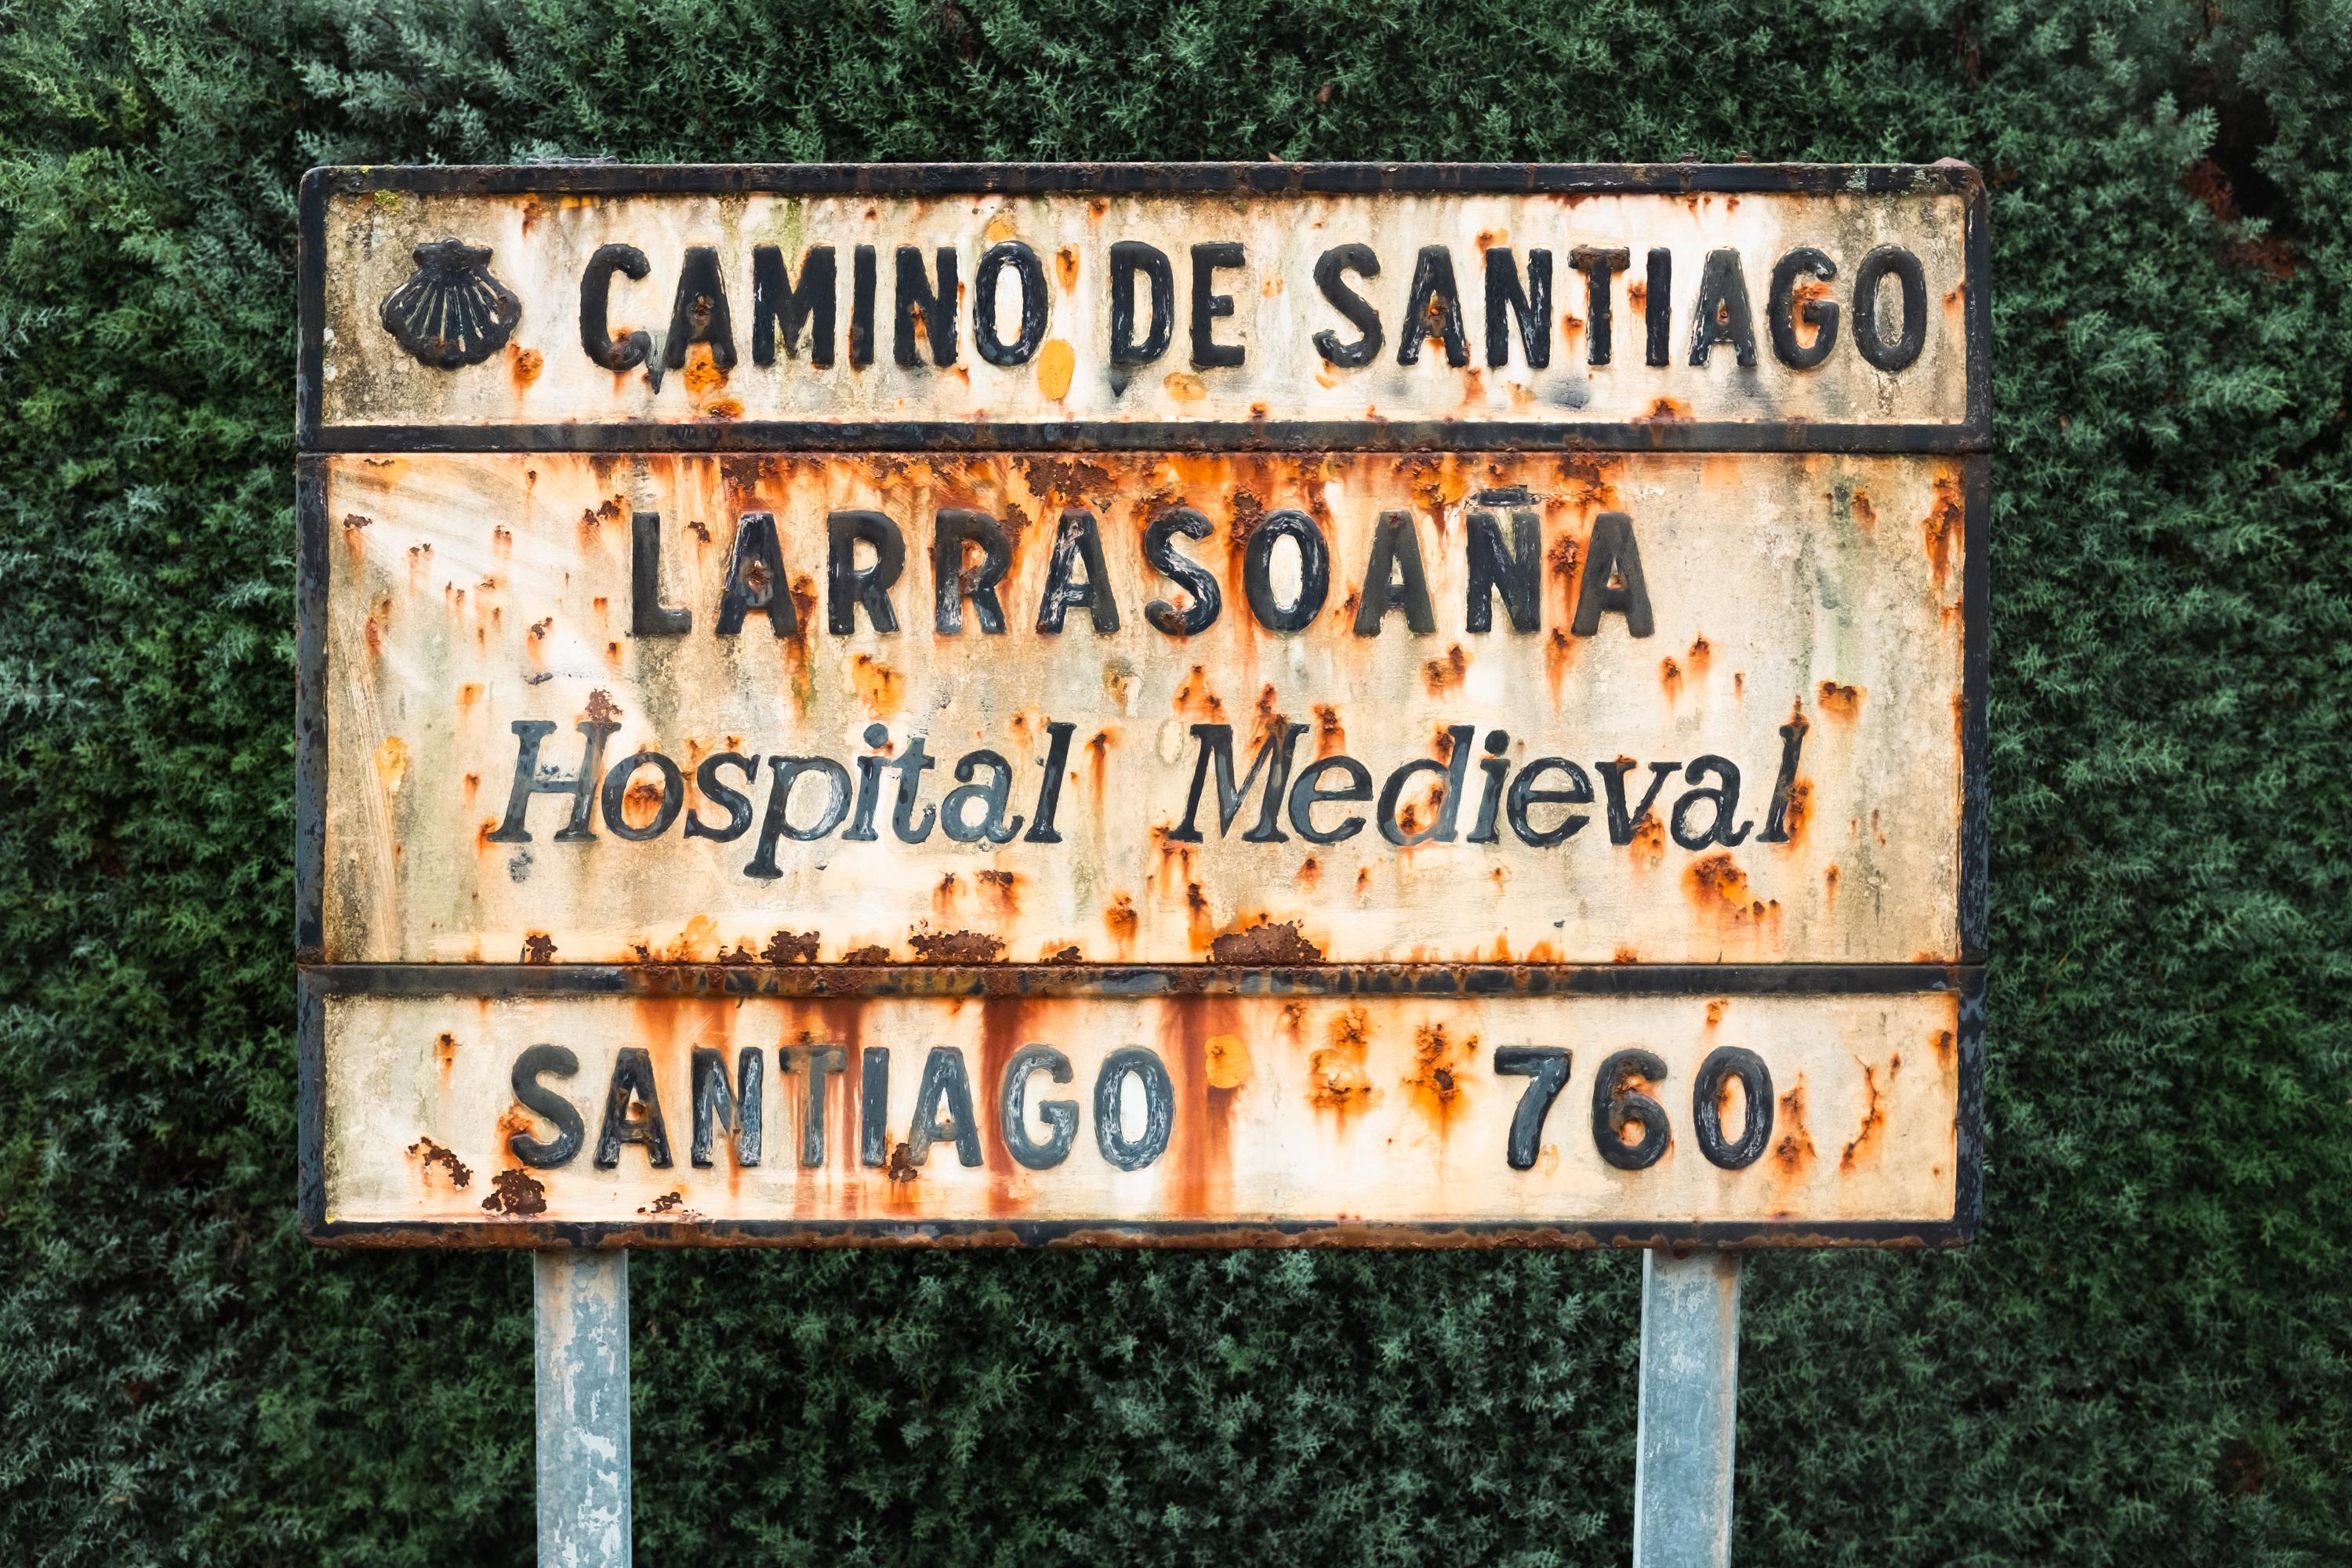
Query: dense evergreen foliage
2147, 1359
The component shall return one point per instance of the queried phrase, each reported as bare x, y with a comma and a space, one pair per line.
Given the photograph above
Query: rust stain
516, 1191
882, 689
1944, 1046
1331, 737
392, 761
1873, 1117
955, 947
1670, 677
876, 954
1066, 267
1718, 882
1193, 695
1057, 364
1338, 1078
943, 897
1830, 884
1666, 408
1265, 944
1701, 654
1444, 675
1625, 953
431, 1154
1649, 846
998, 891
1439, 1065
1845, 701
1942, 526
524, 365
601, 709
902, 1168
1228, 1061
1120, 921
791, 947
538, 947
1794, 1149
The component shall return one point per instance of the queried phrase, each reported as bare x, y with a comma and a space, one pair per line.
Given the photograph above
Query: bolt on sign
1157, 704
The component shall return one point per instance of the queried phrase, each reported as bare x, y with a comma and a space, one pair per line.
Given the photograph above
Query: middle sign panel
1143, 709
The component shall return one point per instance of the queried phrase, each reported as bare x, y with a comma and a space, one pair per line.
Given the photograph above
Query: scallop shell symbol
451, 311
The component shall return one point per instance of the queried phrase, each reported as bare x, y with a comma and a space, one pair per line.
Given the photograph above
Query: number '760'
1617, 1105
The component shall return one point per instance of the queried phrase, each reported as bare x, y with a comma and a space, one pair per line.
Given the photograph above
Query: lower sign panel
1234, 1119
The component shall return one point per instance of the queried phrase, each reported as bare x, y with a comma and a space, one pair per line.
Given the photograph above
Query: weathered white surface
540, 245
1369, 1111
468, 593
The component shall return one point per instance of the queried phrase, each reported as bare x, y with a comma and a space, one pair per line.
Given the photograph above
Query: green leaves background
2146, 1359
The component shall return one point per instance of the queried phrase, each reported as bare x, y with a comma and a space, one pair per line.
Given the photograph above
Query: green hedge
2147, 1359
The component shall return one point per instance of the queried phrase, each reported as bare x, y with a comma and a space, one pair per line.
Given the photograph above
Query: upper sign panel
994, 308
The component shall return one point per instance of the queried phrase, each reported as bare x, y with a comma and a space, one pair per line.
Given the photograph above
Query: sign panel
1431, 795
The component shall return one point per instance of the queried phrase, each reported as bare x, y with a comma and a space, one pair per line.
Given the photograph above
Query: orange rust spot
1668, 409
1701, 654
392, 761
1066, 266
874, 953
1310, 872
901, 1168
1625, 954
1845, 701
1944, 1047
1331, 739
601, 709
1863, 513
525, 365
943, 897
1942, 526
1444, 675
1670, 676
997, 890
1559, 651
1717, 879
1228, 1064
1438, 1068
1193, 695
1874, 1118
1649, 846
1338, 1078
1057, 364
1714, 1011
882, 689
1637, 293
1120, 920
1792, 820
538, 947
1830, 884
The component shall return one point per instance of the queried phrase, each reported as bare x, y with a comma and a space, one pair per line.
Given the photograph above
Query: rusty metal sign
1180, 704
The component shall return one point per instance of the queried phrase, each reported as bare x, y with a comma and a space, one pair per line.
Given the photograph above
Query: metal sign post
1690, 1389
581, 1365
1189, 704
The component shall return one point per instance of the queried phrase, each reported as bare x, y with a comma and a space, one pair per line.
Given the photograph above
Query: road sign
1255, 705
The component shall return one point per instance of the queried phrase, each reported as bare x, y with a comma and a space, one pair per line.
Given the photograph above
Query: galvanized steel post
1690, 1389
582, 1375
